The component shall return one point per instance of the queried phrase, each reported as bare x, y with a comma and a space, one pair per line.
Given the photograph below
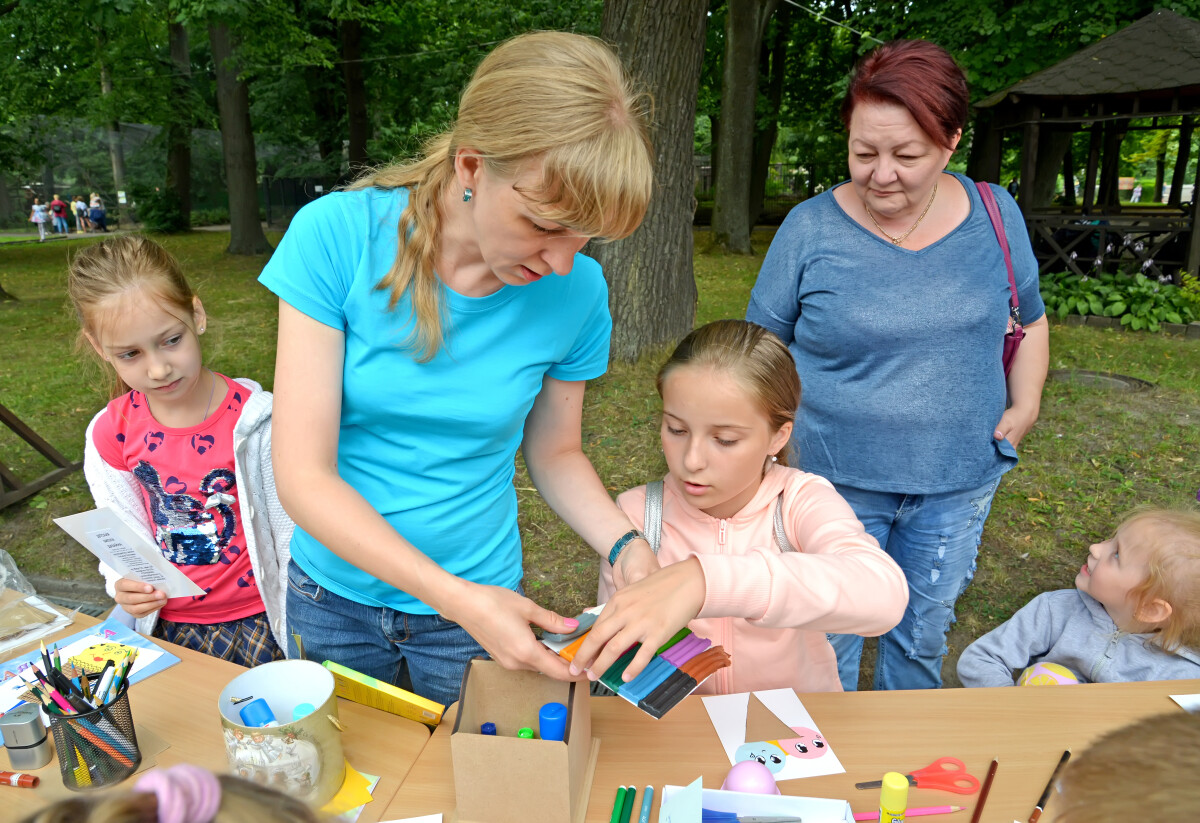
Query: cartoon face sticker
808, 744
764, 752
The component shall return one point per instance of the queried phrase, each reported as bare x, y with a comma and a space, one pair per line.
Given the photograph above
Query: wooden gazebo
1148, 71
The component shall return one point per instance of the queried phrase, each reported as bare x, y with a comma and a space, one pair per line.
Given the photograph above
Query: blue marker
647, 802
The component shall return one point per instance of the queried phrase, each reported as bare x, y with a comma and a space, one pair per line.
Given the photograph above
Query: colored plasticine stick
676, 638
612, 677
647, 680
681, 654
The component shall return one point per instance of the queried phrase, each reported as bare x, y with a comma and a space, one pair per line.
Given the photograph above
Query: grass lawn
1093, 456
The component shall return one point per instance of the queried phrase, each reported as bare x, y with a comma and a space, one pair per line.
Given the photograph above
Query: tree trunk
48, 174
1052, 146
774, 60
1068, 173
1179, 176
652, 292
112, 132
5, 296
1160, 173
745, 23
179, 129
987, 148
356, 94
6, 204
237, 145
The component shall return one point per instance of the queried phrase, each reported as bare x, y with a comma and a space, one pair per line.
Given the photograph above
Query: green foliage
1189, 291
210, 217
161, 211
1140, 302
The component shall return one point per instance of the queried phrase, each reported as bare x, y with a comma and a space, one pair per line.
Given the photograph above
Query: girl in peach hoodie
761, 558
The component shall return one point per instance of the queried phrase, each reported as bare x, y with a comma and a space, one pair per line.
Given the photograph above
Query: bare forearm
1029, 368
569, 483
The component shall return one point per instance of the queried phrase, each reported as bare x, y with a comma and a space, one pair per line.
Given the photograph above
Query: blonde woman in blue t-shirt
409, 373
892, 293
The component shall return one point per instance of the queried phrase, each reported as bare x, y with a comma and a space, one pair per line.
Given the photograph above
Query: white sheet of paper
1189, 702
429, 818
809, 809
105, 535
681, 804
728, 715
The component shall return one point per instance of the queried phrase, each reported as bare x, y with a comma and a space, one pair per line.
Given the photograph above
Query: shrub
162, 211
1140, 302
210, 217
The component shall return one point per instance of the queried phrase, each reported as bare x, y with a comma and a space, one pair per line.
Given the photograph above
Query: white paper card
681, 804
131, 554
429, 818
728, 715
808, 809
1189, 702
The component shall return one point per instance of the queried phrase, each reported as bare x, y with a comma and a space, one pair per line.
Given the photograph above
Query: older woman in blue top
892, 294
433, 319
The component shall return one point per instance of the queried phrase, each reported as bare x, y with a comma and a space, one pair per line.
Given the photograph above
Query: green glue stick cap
527, 733
893, 798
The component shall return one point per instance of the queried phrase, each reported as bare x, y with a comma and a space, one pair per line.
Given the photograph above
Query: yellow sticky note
355, 792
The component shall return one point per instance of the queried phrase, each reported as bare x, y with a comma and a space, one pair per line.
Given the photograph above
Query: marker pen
647, 802
24, 781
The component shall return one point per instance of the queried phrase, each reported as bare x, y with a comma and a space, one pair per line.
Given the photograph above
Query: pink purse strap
993, 211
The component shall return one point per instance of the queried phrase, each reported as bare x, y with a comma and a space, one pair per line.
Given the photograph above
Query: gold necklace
898, 240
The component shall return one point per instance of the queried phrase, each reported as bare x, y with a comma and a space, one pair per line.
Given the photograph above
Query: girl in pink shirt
181, 453
760, 558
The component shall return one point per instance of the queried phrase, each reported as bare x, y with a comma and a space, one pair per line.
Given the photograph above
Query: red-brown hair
918, 75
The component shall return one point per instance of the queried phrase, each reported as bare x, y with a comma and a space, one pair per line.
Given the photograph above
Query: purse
1015, 333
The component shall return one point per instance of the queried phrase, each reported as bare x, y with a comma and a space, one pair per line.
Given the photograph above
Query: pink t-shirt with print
191, 497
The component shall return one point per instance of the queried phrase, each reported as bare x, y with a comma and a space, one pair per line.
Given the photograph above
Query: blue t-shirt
432, 445
898, 351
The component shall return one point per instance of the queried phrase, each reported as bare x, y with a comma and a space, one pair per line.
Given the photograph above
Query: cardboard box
507, 779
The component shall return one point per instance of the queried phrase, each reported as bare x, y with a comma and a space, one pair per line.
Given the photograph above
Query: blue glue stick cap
488, 728
552, 721
257, 713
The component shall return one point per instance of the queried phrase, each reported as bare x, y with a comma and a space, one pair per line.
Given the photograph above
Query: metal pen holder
97, 748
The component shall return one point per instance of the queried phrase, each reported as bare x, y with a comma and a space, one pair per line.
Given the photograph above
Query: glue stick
893, 798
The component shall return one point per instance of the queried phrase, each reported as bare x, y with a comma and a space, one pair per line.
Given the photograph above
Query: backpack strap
652, 528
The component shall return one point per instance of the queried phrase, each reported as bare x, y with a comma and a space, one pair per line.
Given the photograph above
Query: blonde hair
118, 266
1144, 771
241, 802
556, 97
754, 357
1173, 564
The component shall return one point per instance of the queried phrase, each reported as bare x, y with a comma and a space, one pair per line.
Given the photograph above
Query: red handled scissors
947, 774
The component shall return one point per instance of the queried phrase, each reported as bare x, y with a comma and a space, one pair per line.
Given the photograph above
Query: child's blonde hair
1144, 771
561, 98
754, 357
241, 802
1173, 564
119, 266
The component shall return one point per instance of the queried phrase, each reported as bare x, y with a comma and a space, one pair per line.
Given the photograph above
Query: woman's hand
499, 619
649, 612
138, 598
1014, 424
636, 562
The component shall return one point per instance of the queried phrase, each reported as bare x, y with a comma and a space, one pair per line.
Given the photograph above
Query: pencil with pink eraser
918, 812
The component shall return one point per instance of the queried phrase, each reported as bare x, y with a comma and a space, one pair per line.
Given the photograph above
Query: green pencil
627, 811
618, 806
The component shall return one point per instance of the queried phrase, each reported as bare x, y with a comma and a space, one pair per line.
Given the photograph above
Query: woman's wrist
622, 543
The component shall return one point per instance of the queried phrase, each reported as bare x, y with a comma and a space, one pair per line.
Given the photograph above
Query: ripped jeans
935, 539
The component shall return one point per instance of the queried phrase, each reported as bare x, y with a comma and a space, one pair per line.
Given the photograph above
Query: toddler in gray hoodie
1130, 617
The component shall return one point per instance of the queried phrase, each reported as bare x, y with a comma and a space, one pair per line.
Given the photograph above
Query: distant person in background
1137, 194
96, 213
1013, 186
79, 209
37, 216
58, 210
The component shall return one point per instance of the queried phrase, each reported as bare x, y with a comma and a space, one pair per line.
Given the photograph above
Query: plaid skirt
247, 642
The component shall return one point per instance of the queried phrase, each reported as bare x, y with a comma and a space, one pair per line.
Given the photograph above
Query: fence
784, 189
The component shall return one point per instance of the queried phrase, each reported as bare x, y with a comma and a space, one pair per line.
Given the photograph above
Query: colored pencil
983, 793
1041, 804
917, 812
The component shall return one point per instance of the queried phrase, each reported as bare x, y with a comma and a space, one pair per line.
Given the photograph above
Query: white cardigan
267, 527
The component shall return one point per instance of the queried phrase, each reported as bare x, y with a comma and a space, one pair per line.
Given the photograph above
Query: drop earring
467, 195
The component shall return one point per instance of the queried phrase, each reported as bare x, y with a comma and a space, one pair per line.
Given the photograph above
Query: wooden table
179, 704
1027, 728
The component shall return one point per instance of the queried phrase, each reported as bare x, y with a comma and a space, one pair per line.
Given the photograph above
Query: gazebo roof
1160, 51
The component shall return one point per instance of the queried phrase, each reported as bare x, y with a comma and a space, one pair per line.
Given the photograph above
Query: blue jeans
423, 653
935, 539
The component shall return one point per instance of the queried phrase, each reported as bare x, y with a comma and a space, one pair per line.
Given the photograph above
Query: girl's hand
138, 598
499, 621
647, 612
637, 561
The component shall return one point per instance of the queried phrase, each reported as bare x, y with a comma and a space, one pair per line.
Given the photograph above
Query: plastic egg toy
751, 777
1047, 674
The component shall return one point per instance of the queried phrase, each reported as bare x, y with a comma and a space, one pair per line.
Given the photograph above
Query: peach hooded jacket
771, 609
